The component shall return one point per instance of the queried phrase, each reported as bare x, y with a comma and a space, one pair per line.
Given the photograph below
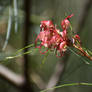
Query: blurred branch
16, 15
55, 76
58, 73
11, 77
8, 29
38, 80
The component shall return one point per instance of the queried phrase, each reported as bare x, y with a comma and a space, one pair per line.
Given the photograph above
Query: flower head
53, 39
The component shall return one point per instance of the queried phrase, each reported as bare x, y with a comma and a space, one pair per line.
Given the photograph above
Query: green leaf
20, 50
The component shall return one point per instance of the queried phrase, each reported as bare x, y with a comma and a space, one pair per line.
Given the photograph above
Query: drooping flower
63, 46
51, 37
76, 39
46, 25
66, 23
56, 40
64, 34
44, 37
45, 28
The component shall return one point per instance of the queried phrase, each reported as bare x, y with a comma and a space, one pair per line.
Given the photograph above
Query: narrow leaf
86, 62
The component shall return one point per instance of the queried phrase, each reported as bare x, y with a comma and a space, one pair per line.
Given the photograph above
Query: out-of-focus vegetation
56, 10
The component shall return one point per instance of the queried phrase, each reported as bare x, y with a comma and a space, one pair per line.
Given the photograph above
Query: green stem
67, 85
20, 50
86, 62
11, 57
28, 46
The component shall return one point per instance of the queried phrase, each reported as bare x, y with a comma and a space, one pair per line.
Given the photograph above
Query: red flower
44, 37
66, 23
56, 40
76, 39
46, 25
52, 38
64, 34
62, 46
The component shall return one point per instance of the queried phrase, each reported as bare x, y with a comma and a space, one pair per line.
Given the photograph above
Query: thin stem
67, 85
83, 52
86, 62
11, 57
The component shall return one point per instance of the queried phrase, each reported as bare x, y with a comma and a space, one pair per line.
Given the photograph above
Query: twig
83, 52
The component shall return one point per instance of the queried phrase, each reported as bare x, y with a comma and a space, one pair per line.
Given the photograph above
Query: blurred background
54, 71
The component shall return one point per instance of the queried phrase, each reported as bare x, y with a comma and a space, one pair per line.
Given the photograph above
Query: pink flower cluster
52, 38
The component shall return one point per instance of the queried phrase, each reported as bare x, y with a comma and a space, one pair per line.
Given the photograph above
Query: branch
38, 81
11, 77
